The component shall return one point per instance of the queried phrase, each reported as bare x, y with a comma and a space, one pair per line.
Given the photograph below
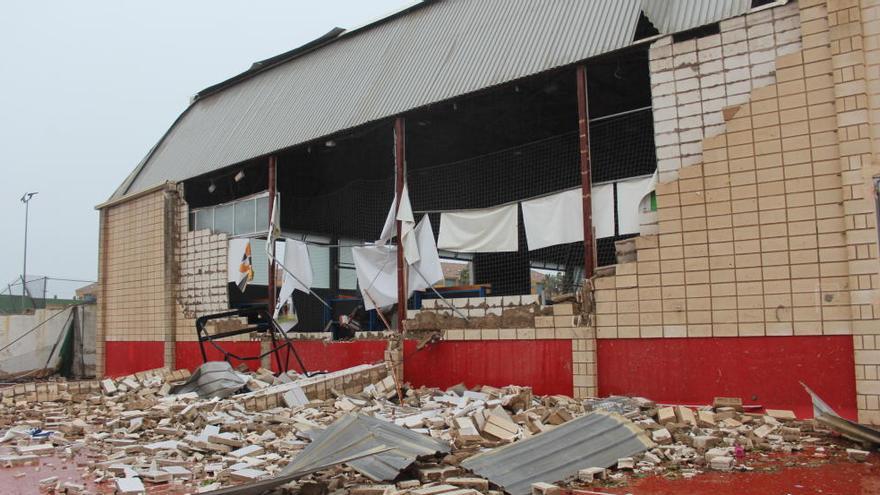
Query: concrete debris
144, 432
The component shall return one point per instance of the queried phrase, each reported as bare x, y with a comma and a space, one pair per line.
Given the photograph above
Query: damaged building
678, 200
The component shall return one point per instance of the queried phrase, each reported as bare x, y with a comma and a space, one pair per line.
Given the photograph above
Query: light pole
26, 199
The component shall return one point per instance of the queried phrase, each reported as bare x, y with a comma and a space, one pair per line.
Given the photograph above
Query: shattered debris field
358, 431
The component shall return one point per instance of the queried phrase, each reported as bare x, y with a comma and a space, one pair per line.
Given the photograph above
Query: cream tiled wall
694, 80
133, 303
773, 232
201, 258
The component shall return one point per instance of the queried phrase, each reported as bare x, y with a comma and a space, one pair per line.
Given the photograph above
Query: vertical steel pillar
272, 190
400, 178
586, 173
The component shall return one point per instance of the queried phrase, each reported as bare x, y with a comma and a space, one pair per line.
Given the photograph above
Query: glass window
263, 214
320, 259
205, 219
245, 217
347, 278
224, 219
260, 262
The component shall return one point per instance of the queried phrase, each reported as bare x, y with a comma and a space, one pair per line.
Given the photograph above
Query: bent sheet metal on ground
598, 439
213, 379
354, 433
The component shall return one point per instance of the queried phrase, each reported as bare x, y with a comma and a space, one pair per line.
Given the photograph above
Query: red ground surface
783, 475
838, 477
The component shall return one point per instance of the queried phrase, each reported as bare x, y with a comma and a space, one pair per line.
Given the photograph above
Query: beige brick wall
201, 258
133, 300
849, 31
693, 81
773, 232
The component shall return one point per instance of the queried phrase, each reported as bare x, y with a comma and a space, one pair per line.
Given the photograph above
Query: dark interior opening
508, 143
697, 32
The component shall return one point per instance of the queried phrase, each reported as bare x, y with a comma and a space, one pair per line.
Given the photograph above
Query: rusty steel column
400, 178
586, 173
272, 189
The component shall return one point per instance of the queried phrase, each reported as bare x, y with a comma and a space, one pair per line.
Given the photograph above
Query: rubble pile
134, 435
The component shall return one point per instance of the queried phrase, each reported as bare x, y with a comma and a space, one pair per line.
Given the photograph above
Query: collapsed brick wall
201, 258
132, 302
772, 232
557, 322
694, 80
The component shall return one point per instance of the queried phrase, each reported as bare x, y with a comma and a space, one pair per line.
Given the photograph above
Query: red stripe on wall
188, 355
544, 365
318, 355
760, 370
125, 358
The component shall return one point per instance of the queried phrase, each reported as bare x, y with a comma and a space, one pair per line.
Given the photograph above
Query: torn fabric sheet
239, 266
297, 272
489, 230
602, 200
376, 268
554, 219
428, 270
407, 225
630, 194
389, 230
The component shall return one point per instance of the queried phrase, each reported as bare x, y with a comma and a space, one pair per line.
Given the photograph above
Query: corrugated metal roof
425, 54
432, 53
355, 433
672, 16
598, 439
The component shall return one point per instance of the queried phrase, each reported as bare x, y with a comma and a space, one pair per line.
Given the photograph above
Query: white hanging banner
630, 194
407, 225
240, 269
389, 230
428, 270
554, 219
602, 200
489, 230
376, 268
297, 262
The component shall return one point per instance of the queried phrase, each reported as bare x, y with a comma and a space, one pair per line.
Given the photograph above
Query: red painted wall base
318, 355
188, 355
761, 370
545, 365
125, 358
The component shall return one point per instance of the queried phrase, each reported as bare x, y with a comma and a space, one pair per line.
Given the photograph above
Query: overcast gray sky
87, 87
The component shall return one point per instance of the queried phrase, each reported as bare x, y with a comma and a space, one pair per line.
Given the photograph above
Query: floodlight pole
26, 199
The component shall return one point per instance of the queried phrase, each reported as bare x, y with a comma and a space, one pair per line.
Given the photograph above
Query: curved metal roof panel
425, 54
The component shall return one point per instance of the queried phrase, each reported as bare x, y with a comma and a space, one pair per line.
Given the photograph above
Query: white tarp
428, 270
297, 263
488, 230
376, 268
630, 194
389, 229
240, 269
554, 219
602, 200
407, 225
